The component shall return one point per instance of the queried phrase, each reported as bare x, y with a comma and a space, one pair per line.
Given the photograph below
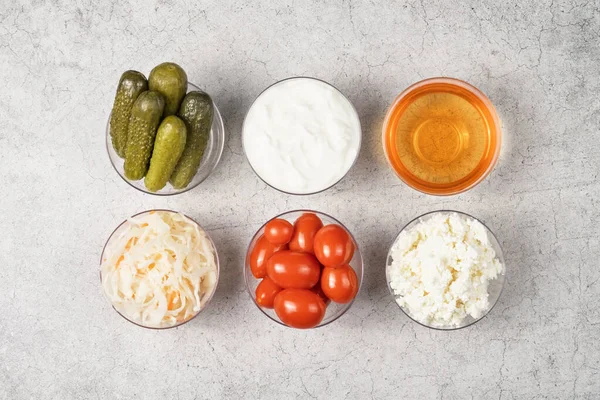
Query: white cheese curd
301, 135
441, 269
159, 269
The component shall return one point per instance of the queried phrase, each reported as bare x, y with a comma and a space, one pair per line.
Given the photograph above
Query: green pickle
170, 80
131, 85
145, 117
168, 147
197, 112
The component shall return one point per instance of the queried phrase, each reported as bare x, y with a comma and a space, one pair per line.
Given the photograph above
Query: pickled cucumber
131, 84
168, 146
145, 117
197, 112
170, 80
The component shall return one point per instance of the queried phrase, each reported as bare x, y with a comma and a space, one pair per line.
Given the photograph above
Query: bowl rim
495, 119
211, 295
299, 77
346, 306
499, 256
218, 151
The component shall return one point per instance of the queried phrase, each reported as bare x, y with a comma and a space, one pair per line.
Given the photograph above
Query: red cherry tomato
279, 231
305, 229
266, 292
299, 308
318, 290
333, 246
293, 269
340, 284
259, 256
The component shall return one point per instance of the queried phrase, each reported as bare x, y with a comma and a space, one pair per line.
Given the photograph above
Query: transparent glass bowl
334, 310
495, 286
244, 133
210, 295
210, 159
492, 137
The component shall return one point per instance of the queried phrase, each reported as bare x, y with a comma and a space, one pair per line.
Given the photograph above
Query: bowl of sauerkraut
159, 269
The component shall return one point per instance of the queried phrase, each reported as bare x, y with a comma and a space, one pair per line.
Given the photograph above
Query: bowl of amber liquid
442, 136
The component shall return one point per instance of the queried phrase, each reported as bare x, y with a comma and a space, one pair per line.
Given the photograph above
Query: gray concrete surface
539, 62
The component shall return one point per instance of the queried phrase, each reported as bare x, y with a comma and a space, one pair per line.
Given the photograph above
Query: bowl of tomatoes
303, 269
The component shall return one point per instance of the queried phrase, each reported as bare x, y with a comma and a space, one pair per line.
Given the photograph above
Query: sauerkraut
159, 269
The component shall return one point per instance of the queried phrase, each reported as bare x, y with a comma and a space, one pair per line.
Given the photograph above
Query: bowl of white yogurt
445, 270
301, 135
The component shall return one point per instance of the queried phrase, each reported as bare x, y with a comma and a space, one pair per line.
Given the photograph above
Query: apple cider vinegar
442, 136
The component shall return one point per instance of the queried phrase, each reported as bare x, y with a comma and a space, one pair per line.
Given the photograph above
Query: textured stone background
538, 63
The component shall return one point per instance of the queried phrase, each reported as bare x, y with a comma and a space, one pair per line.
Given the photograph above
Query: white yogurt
301, 135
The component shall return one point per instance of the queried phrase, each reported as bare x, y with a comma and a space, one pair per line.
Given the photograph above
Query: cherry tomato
293, 269
318, 290
279, 231
266, 292
333, 246
261, 252
305, 229
299, 308
340, 284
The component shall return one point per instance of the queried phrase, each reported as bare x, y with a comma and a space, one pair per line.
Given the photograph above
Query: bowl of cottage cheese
446, 270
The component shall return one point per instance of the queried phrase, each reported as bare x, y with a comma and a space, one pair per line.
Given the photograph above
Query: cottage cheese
441, 269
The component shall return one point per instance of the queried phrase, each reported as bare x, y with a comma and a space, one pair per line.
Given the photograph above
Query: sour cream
301, 135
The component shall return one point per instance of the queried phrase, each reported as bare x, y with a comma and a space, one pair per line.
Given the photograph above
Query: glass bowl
210, 295
495, 286
210, 159
442, 136
245, 134
334, 310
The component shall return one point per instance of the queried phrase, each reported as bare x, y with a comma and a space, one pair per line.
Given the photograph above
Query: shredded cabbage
159, 269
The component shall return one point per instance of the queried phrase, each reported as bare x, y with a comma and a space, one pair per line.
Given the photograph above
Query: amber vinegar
442, 136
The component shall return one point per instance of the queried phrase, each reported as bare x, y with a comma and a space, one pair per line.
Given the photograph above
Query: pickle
145, 117
197, 112
131, 84
168, 146
170, 80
